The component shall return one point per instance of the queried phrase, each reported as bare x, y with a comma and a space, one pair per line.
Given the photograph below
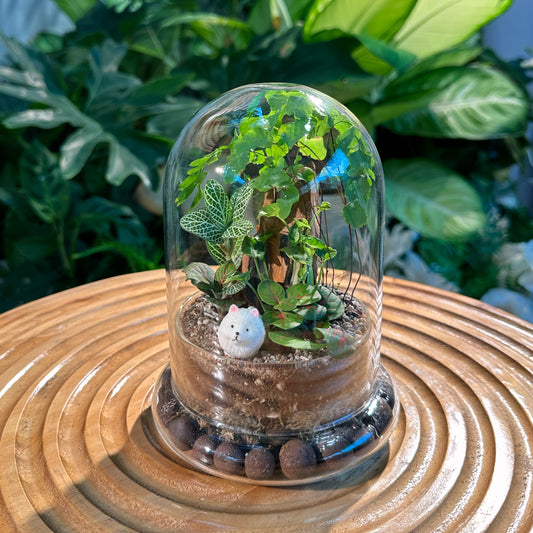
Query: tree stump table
78, 450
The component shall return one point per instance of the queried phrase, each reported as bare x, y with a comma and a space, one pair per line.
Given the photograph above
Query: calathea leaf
455, 102
433, 200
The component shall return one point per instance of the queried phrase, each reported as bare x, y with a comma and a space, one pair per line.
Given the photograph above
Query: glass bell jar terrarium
273, 225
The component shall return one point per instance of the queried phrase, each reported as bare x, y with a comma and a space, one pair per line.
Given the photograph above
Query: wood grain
76, 372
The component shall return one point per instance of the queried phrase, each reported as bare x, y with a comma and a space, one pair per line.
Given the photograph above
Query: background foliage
88, 118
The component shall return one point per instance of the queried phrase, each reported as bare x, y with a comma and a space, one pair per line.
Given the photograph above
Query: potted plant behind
275, 374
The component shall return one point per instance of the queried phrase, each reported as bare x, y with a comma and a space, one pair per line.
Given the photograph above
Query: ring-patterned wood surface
77, 450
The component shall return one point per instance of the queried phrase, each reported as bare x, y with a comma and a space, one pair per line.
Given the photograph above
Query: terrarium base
275, 458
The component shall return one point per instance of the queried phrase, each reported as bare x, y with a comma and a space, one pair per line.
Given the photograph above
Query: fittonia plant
280, 156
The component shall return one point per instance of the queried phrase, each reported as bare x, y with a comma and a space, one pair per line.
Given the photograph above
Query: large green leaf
216, 30
77, 148
455, 102
75, 10
380, 19
433, 26
432, 199
378, 57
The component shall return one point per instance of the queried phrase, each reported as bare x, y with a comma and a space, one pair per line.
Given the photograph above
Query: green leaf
313, 148
313, 313
105, 83
270, 210
199, 273
40, 118
433, 200
378, 57
303, 294
432, 27
270, 292
198, 223
332, 302
297, 252
218, 31
123, 163
282, 319
272, 176
456, 102
169, 119
340, 345
290, 340
239, 228
287, 197
77, 148
380, 19
240, 200
75, 10
216, 252
217, 205
224, 273
354, 214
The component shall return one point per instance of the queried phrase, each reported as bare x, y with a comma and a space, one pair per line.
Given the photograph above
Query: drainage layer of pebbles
295, 457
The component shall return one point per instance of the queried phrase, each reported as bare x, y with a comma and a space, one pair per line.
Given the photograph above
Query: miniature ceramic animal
241, 332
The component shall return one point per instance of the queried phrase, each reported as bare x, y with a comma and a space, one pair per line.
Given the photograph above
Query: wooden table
77, 368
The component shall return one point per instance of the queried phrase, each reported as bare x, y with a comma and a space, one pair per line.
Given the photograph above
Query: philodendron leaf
123, 163
77, 148
455, 102
432, 199
285, 338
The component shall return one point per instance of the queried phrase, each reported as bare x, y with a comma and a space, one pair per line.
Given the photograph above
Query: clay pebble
386, 391
259, 463
204, 449
184, 431
334, 447
380, 417
297, 459
229, 458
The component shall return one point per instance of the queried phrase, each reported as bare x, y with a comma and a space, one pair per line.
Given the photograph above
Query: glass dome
273, 227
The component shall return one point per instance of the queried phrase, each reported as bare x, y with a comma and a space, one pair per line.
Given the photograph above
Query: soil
280, 389
201, 320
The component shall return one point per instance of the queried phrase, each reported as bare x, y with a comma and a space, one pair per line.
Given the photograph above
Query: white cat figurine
241, 332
